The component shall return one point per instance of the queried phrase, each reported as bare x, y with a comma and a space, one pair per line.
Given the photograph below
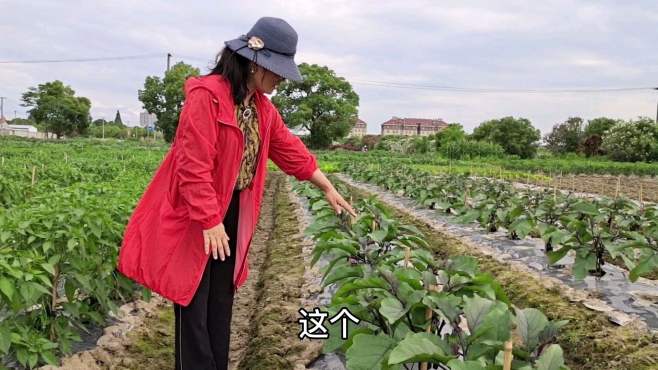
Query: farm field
637, 181
423, 295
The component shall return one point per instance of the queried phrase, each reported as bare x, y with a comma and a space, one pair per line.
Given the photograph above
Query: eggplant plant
596, 230
413, 307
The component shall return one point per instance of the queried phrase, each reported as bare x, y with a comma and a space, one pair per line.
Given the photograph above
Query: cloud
509, 44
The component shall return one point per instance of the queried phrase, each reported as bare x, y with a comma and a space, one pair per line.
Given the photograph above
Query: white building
19, 130
147, 119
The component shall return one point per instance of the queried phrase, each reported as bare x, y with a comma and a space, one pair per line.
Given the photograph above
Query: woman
189, 236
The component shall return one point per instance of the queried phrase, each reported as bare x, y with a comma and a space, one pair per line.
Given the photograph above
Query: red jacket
162, 246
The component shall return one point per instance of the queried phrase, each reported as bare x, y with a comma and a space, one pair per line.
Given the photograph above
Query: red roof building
412, 126
360, 128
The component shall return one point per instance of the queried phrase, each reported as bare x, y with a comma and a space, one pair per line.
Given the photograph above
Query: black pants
203, 328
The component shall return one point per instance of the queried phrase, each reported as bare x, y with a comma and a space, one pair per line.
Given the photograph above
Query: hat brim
280, 64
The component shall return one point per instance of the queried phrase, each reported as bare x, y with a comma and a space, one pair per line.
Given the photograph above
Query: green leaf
465, 365
379, 235
475, 310
444, 304
551, 359
5, 340
530, 322
7, 288
342, 272
586, 208
49, 268
392, 309
48, 245
369, 352
583, 264
50, 358
22, 356
465, 264
70, 245
418, 347
645, 266
556, 255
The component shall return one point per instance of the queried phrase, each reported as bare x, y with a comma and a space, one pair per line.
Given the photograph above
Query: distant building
299, 131
412, 126
147, 119
359, 129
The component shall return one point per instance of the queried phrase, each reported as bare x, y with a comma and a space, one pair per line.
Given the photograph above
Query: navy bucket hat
271, 43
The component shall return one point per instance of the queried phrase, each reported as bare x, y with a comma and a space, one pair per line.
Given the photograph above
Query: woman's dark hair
235, 68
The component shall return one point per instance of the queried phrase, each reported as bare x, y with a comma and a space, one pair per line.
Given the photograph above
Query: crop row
59, 239
414, 307
595, 230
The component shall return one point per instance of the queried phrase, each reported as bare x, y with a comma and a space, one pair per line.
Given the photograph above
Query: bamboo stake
641, 188
507, 355
573, 183
352, 218
34, 174
618, 186
407, 256
428, 316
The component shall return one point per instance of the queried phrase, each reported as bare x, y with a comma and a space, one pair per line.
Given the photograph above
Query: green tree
566, 136
117, 119
322, 103
598, 126
516, 135
454, 132
55, 105
632, 141
592, 139
100, 122
164, 97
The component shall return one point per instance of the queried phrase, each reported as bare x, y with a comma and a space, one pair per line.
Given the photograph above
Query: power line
389, 84
499, 90
77, 60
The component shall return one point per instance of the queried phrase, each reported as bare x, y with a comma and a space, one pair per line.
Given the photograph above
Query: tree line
326, 106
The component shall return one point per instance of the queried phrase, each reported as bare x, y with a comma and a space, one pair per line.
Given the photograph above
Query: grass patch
152, 347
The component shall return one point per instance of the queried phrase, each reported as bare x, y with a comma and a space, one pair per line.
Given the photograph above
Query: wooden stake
573, 183
641, 188
618, 186
34, 174
428, 316
407, 256
507, 355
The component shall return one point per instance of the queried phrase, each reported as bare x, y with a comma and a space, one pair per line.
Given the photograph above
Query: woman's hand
337, 202
333, 196
216, 240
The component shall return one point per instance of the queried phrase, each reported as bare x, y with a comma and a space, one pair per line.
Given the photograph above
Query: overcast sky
469, 44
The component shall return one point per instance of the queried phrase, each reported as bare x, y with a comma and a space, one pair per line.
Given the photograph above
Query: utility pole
168, 61
103, 129
2, 106
656, 88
